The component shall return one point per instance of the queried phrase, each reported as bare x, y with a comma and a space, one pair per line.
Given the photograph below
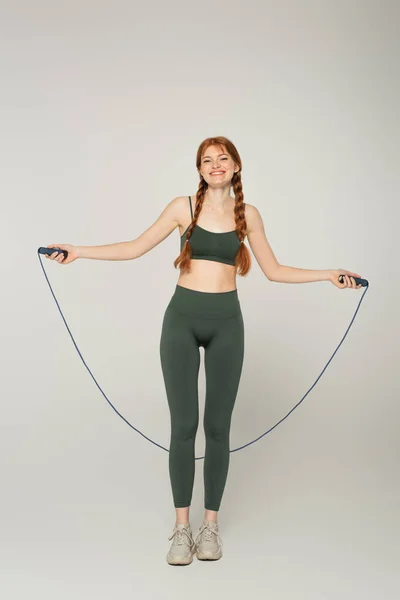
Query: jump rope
49, 251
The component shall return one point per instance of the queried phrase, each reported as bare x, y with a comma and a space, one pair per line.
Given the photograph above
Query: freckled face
217, 166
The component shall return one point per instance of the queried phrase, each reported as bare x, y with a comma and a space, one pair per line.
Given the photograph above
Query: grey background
103, 107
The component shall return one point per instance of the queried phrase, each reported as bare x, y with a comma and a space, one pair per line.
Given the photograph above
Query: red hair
243, 259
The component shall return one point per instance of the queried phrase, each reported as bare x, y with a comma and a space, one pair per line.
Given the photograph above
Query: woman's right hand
59, 256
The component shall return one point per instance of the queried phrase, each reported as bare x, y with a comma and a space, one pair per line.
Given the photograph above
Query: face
216, 159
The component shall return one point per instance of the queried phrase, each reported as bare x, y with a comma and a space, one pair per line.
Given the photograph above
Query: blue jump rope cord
155, 443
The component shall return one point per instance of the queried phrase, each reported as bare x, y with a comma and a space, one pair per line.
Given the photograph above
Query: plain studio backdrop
104, 105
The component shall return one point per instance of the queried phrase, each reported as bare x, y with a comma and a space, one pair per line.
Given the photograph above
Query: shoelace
208, 532
180, 537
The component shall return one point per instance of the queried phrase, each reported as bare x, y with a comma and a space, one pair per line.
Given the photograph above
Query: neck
217, 199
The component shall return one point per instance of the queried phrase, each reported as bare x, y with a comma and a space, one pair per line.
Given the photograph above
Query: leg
223, 360
180, 361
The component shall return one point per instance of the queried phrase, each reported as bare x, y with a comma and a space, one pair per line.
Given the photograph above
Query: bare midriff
209, 276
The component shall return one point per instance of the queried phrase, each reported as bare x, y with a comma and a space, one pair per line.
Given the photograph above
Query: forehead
213, 151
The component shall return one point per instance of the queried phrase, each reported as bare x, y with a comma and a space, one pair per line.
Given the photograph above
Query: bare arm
259, 243
156, 233
267, 260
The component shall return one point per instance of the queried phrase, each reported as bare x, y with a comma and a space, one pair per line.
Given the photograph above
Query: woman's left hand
348, 279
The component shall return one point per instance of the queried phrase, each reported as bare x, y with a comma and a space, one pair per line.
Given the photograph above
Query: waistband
211, 305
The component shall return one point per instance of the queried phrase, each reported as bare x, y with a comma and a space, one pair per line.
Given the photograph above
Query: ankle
210, 521
211, 515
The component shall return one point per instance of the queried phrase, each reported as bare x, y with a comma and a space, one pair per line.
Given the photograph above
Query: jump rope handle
358, 280
51, 251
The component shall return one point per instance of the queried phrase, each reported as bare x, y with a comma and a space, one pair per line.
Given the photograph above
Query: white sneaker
208, 542
182, 547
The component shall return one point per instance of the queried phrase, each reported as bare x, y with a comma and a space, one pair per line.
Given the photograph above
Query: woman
205, 311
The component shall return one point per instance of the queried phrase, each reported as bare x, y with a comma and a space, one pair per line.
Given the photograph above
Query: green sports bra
208, 245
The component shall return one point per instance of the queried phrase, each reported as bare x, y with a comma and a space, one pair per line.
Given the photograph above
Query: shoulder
183, 201
179, 204
249, 209
179, 200
181, 209
253, 217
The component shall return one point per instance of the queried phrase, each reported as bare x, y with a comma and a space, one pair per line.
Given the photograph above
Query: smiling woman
204, 311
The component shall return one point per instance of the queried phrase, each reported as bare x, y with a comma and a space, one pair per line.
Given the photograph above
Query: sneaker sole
179, 561
209, 555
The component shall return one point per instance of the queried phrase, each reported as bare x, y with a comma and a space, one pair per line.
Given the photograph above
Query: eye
223, 158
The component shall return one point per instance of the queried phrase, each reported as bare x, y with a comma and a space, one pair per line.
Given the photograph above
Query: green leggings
212, 320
